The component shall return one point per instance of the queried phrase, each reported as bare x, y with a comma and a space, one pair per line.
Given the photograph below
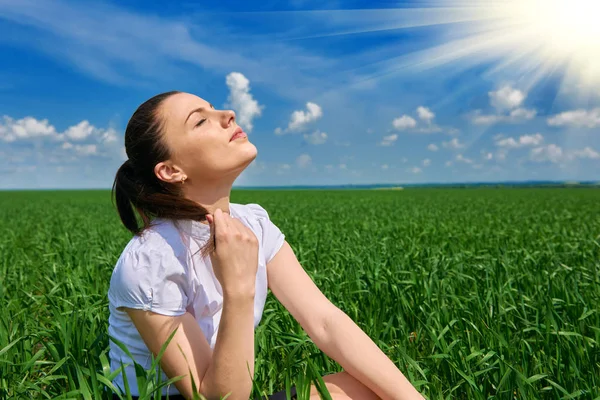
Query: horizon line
366, 185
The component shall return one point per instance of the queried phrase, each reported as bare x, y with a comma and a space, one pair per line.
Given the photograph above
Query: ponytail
123, 190
150, 200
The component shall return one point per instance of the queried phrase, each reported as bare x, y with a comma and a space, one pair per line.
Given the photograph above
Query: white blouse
162, 271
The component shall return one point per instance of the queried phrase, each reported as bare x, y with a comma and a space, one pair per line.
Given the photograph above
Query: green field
473, 293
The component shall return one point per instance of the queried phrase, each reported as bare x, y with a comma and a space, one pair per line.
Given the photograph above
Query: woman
202, 265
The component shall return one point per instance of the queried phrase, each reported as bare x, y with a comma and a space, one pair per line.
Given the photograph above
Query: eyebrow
199, 109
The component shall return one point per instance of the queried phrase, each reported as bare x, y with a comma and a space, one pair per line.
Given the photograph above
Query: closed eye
201, 122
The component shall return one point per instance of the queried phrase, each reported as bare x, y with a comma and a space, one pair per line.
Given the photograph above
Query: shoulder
158, 249
253, 210
152, 272
269, 234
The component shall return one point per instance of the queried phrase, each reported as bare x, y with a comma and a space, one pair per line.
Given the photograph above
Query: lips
237, 133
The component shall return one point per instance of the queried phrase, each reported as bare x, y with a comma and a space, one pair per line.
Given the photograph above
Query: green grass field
474, 294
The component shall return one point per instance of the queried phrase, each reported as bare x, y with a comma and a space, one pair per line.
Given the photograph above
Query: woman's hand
235, 258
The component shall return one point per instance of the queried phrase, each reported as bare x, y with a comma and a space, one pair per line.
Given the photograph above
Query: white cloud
26, 128
370, 131
30, 128
577, 118
506, 98
478, 118
587, 152
342, 166
507, 101
282, 169
515, 116
404, 122
80, 140
241, 100
109, 136
521, 114
453, 144
86, 149
81, 131
426, 162
551, 152
300, 118
523, 141
432, 147
425, 114
431, 129
303, 160
448, 163
384, 166
389, 140
278, 131
461, 158
531, 140
257, 166
555, 154
415, 170
316, 138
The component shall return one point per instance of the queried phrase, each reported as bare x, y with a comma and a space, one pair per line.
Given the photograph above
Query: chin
250, 151
246, 156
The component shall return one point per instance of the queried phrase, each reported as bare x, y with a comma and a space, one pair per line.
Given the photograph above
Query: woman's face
201, 139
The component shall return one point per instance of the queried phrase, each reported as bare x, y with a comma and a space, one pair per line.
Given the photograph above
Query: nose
227, 118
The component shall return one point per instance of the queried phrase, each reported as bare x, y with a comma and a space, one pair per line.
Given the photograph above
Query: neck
210, 195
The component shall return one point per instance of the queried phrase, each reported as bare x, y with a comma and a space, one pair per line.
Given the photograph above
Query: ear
168, 172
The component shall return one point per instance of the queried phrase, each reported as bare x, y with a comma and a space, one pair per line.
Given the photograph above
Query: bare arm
217, 372
232, 368
340, 340
333, 331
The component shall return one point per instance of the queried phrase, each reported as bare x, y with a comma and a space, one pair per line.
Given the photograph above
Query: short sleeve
272, 237
150, 279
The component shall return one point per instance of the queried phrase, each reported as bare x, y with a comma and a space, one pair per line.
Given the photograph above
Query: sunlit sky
330, 92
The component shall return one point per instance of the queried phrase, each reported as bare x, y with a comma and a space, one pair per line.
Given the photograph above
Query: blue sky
330, 92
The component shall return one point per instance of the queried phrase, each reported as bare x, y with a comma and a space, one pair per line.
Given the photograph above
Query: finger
211, 223
231, 222
234, 225
226, 219
212, 236
241, 228
219, 223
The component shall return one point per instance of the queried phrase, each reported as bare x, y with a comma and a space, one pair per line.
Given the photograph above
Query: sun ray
314, 24
532, 39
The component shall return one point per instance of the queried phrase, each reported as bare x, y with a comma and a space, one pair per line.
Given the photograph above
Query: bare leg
344, 386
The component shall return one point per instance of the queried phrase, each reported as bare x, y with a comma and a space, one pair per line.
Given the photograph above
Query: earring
183, 180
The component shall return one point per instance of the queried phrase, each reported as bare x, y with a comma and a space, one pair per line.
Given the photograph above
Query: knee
335, 391
335, 395
340, 396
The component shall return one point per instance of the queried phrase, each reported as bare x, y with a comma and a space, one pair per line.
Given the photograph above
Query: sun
527, 40
568, 28
555, 33
517, 41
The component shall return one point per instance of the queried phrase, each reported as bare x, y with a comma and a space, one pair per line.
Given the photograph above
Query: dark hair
137, 188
